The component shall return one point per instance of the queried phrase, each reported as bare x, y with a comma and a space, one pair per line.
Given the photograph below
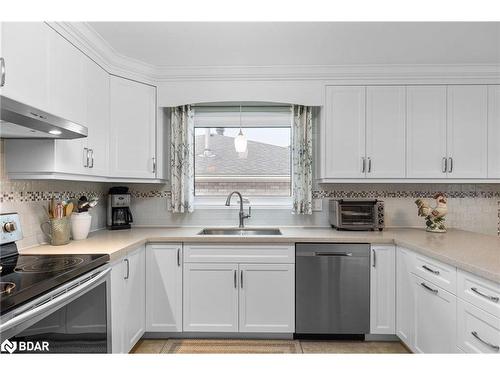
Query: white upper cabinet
25, 54
66, 80
494, 131
97, 97
344, 136
385, 132
426, 132
467, 131
133, 129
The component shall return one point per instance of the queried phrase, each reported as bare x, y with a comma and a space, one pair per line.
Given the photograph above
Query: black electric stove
24, 277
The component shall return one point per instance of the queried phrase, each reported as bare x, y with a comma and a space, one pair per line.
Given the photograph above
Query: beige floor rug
210, 346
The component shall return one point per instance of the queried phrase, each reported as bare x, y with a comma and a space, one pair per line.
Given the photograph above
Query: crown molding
92, 44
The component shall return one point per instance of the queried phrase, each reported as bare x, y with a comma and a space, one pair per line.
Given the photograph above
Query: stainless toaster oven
357, 214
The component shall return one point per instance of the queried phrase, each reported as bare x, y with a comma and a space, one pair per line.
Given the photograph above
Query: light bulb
240, 142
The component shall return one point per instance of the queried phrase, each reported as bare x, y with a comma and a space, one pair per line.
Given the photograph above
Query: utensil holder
80, 225
58, 231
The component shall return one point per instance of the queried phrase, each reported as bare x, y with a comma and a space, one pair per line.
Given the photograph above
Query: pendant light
240, 142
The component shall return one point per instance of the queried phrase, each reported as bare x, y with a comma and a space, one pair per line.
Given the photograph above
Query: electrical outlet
317, 204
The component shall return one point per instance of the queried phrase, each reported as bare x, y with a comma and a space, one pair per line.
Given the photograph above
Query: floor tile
359, 347
149, 347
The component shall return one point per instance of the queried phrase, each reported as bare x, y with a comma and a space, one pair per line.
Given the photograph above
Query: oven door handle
53, 302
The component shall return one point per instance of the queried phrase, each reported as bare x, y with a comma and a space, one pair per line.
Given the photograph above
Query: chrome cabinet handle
451, 165
241, 279
491, 298
363, 160
91, 158
327, 254
369, 165
86, 157
444, 165
435, 291
235, 279
128, 269
154, 164
494, 347
179, 257
2, 72
430, 270
374, 258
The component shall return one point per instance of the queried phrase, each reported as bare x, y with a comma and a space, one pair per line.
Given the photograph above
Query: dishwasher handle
331, 254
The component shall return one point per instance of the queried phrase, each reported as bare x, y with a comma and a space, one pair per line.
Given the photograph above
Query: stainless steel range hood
19, 120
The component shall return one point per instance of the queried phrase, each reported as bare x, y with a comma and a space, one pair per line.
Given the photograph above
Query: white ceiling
264, 44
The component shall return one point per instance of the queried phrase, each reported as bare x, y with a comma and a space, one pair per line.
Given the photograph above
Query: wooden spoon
68, 210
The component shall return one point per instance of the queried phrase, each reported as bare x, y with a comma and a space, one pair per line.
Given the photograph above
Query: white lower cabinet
383, 290
267, 298
477, 330
405, 300
128, 302
210, 297
435, 318
164, 288
229, 296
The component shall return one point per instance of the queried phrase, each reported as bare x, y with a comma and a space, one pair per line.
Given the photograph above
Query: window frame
256, 201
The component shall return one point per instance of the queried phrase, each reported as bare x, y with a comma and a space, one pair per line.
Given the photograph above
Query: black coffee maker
119, 215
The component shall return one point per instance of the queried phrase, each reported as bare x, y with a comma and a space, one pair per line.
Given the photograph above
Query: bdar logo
8, 346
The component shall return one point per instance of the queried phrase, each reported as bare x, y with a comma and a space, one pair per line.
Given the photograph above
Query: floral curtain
302, 159
182, 159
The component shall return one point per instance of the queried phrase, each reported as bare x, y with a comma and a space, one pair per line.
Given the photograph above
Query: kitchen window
254, 158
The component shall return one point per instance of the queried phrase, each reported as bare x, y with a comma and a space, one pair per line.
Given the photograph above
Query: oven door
357, 216
74, 318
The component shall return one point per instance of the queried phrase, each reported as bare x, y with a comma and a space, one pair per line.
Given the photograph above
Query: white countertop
472, 252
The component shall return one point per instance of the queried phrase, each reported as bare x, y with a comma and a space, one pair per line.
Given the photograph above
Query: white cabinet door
135, 288
66, 80
267, 298
164, 287
385, 132
344, 140
97, 96
383, 290
405, 297
25, 48
435, 318
210, 302
494, 131
477, 331
426, 131
133, 126
118, 307
467, 131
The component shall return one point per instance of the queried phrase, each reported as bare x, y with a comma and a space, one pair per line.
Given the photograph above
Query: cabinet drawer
482, 293
441, 274
477, 331
237, 253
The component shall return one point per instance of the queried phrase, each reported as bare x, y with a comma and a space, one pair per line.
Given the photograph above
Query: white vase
80, 225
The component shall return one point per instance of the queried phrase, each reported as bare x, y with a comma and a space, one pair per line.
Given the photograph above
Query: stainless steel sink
240, 232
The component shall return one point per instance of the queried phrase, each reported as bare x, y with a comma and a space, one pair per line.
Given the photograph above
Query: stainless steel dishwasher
332, 289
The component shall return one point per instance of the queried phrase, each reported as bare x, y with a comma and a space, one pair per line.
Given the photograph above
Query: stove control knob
9, 227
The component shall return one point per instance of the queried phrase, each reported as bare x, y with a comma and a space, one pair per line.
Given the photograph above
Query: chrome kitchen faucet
242, 214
